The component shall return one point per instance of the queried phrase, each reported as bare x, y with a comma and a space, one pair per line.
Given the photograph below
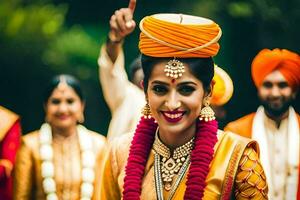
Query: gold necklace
47, 165
169, 165
158, 178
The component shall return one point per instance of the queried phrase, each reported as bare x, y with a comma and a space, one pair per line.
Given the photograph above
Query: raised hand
122, 23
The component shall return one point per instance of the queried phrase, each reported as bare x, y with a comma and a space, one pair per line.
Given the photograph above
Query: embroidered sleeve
23, 174
109, 188
250, 181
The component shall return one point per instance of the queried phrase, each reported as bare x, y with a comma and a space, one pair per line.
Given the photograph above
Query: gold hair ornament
174, 69
62, 83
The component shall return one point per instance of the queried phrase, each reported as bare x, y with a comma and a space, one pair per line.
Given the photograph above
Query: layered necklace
198, 161
47, 166
166, 166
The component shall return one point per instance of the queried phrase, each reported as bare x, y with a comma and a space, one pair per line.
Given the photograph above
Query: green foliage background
41, 38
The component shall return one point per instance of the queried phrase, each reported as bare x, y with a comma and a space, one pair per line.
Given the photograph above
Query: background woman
58, 161
10, 135
177, 151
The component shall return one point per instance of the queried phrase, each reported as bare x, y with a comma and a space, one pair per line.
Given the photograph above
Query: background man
275, 125
124, 98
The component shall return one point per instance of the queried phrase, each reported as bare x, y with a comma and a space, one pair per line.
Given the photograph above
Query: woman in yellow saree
177, 151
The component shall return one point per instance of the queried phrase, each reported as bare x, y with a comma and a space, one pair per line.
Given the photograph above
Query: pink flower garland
201, 156
138, 155
141, 145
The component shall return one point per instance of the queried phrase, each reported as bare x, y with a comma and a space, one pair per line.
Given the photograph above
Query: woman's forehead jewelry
62, 83
174, 69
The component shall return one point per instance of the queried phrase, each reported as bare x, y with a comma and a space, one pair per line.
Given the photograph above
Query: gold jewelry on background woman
58, 161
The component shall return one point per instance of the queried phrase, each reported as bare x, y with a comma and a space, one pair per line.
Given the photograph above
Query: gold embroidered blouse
234, 172
66, 159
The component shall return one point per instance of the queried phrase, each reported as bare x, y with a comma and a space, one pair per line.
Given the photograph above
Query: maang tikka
174, 68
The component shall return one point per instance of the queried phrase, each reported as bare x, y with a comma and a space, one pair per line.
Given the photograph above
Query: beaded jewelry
47, 166
174, 69
170, 165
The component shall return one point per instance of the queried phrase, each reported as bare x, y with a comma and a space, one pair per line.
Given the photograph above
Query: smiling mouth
275, 102
173, 117
63, 117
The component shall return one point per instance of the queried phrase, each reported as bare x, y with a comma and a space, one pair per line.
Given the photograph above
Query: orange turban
223, 88
178, 35
267, 61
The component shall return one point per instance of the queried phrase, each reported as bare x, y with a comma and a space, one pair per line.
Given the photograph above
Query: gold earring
81, 119
146, 111
46, 119
207, 113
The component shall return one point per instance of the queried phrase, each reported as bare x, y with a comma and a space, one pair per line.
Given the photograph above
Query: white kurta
279, 153
124, 99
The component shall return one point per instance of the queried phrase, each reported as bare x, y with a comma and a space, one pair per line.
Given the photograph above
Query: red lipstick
173, 116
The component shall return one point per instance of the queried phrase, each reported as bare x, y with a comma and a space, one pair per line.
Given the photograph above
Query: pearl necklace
47, 166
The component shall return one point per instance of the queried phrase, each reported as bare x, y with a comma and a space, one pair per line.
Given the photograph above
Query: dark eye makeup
183, 89
58, 101
55, 101
70, 101
159, 89
186, 90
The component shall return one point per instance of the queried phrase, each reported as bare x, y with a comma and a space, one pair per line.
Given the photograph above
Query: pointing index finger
131, 5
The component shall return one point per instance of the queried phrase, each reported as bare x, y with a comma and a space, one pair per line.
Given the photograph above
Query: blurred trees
26, 30
32, 25
249, 26
40, 38
35, 44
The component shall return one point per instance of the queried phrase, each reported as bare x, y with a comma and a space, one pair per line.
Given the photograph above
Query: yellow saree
235, 171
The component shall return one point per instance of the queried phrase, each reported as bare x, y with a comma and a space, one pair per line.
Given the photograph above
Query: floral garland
201, 157
138, 155
47, 166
